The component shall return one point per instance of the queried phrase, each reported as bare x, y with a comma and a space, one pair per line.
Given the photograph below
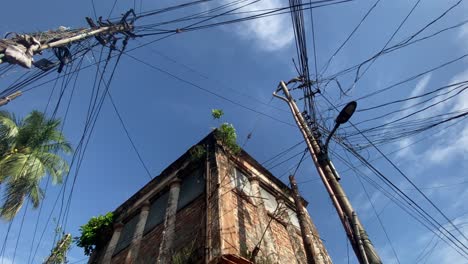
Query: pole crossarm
20, 48
5, 100
362, 246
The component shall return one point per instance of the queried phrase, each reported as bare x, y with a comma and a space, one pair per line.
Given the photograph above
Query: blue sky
165, 116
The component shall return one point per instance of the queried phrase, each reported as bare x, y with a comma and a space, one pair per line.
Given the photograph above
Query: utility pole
58, 255
5, 100
306, 232
362, 246
20, 48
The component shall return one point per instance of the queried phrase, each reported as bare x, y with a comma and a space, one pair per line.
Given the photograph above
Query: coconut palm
28, 152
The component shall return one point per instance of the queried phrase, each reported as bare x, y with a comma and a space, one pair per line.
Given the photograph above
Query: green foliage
245, 253
28, 152
263, 260
93, 233
217, 113
186, 255
226, 133
59, 253
197, 152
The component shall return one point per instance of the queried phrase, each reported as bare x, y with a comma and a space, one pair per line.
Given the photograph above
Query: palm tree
28, 152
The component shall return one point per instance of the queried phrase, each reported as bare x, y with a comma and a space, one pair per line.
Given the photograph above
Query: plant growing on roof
217, 113
197, 152
226, 133
94, 233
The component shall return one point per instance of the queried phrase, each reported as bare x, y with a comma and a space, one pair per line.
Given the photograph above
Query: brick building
210, 207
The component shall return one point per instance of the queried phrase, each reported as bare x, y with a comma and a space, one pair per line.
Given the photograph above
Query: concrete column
132, 254
113, 242
268, 247
166, 247
323, 254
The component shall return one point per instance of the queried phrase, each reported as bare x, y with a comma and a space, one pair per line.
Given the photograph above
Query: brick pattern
120, 257
240, 221
190, 230
235, 225
149, 248
282, 242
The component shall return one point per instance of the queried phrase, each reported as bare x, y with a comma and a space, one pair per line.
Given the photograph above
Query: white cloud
445, 145
418, 89
440, 252
421, 85
269, 33
5, 260
455, 143
364, 207
463, 32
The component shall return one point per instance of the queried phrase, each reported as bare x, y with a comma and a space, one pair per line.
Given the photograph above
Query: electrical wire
358, 77
325, 68
207, 90
449, 235
128, 136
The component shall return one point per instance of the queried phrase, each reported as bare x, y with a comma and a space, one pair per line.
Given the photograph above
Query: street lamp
342, 118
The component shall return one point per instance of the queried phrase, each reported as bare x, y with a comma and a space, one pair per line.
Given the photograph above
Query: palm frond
19, 165
14, 196
28, 152
54, 165
36, 195
63, 146
8, 126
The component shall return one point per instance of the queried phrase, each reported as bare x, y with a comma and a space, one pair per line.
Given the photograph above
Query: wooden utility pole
362, 246
306, 232
5, 100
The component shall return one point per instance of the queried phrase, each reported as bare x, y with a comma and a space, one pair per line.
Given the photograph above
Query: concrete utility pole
58, 254
5, 100
306, 232
21, 48
362, 246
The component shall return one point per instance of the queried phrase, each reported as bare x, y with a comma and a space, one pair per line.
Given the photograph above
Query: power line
206, 90
411, 203
264, 163
19, 232
378, 218
105, 92
128, 136
412, 184
286, 160
399, 191
324, 69
205, 76
386, 44
112, 9
300, 161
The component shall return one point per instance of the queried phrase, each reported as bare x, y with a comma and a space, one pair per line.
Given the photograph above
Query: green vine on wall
95, 232
186, 255
197, 152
